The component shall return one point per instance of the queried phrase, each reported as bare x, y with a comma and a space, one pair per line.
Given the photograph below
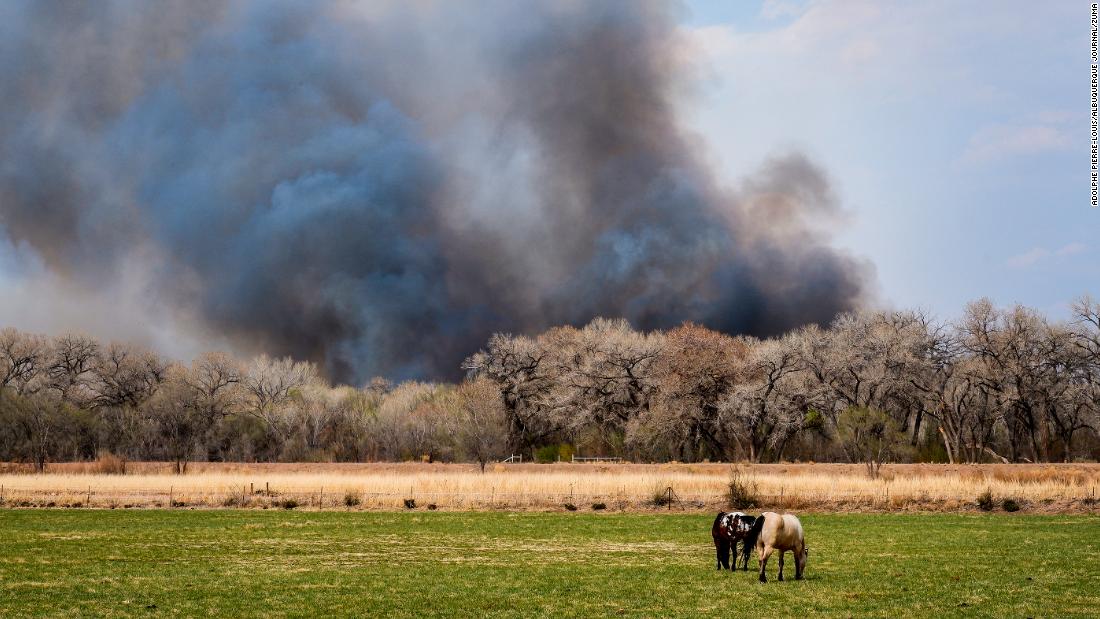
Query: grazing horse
779, 533
727, 530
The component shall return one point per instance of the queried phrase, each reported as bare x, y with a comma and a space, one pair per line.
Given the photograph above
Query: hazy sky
956, 134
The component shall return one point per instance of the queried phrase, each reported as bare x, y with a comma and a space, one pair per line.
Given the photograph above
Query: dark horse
727, 530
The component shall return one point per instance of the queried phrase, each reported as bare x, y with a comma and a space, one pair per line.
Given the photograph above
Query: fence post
670, 498
267, 488
89, 496
321, 498
170, 488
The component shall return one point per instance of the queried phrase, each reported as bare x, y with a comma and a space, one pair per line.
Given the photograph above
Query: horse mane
754, 532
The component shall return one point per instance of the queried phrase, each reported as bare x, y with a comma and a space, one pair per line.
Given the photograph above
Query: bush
109, 464
661, 495
570, 507
410, 503
352, 499
1010, 505
599, 506
986, 502
432, 507
234, 500
741, 490
289, 504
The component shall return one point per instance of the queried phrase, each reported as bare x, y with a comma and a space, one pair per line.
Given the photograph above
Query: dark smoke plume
379, 186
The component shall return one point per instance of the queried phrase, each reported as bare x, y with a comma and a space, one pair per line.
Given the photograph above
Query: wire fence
265, 496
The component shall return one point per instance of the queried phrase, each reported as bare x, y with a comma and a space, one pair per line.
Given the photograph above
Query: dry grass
818, 487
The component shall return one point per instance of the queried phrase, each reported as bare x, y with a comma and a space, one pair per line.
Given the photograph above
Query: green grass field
267, 563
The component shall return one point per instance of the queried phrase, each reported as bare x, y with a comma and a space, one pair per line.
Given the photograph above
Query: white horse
779, 533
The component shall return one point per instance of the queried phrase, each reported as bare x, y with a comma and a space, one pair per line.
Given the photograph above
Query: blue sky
956, 135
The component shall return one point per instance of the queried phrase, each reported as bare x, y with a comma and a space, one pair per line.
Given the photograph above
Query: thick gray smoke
379, 186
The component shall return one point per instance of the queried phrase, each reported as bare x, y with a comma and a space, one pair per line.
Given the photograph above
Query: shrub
741, 490
599, 506
570, 507
661, 495
1010, 505
410, 503
109, 464
432, 507
289, 504
986, 502
352, 499
235, 500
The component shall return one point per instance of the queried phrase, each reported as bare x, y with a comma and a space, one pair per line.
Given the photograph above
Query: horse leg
800, 563
781, 553
765, 552
722, 549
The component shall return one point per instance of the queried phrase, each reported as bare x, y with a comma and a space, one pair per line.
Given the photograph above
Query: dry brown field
1042, 488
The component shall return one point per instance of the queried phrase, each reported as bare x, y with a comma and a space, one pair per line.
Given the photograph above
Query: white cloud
1028, 258
996, 142
1072, 248
1035, 255
779, 9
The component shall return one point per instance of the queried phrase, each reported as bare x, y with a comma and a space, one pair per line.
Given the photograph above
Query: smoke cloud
379, 186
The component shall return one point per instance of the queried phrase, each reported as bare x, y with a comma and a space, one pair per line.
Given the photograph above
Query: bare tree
69, 366
773, 398
22, 360
125, 377
694, 372
522, 370
481, 422
268, 385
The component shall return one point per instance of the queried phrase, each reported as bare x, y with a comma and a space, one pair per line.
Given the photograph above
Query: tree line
998, 384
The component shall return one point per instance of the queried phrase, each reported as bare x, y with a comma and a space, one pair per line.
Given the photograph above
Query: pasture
522, 564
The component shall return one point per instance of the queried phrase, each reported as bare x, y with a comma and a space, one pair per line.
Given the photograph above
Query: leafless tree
22, 360
771, 402
481, 422
123, 376
268, 386
694, 371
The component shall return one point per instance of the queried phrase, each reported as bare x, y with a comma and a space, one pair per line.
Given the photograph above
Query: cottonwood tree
268, 385
124, 376
191, 401
773, 398
22, 360
604, 377
1010, 349
480, 422
70, 361
521, 369
694, 371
